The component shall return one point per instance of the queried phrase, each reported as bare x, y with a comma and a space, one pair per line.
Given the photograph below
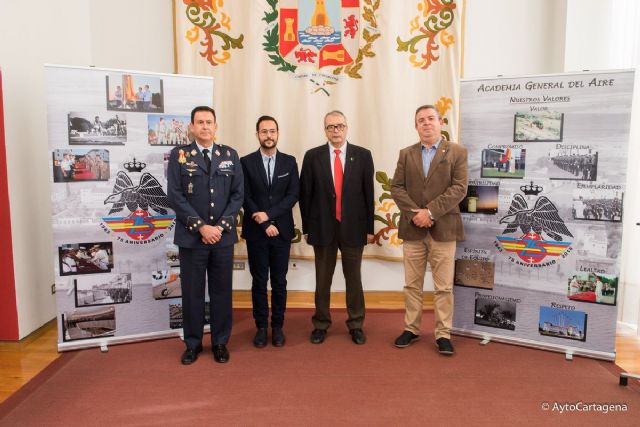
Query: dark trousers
269, 256
216, 264
325, 266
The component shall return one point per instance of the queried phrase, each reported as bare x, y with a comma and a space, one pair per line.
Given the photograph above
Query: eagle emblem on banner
535, 222
140, 226
321, 40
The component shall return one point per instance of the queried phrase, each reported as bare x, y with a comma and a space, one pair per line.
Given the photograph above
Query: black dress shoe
260, 340
444, 346
318, 336
190, 355
405, 339
277, 337
358, 336
220, 353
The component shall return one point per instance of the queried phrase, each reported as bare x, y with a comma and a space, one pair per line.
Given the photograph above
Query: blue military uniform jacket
199, 198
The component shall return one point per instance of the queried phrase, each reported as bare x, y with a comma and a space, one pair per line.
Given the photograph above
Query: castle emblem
321, 39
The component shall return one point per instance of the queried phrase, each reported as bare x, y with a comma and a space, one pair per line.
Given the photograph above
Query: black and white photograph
542, 126
106, 128
495, 313
134, 92
166, 284
503, 163
474, 273
103, 289
175, 315
572, 164
85, 324
79, 165
166, 129
172, 255
481, 199
85, 258
592, 287
561, 323
597, 204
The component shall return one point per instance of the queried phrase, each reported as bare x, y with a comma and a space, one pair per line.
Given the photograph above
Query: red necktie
337, 180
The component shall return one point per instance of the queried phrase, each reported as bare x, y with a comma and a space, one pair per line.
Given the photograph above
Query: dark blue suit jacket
199, 199
277, 201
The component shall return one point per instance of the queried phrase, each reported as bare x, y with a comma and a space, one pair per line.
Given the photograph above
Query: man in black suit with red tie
271, 189
336, 204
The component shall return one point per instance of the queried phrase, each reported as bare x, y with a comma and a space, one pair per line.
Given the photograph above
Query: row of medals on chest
191, 166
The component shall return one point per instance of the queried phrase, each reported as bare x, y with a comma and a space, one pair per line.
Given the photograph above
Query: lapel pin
228, 153
217, 153
194, 152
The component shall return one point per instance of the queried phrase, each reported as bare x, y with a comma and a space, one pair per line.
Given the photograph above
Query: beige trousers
440, 256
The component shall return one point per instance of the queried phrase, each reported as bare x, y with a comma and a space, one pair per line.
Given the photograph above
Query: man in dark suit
336, 203
271, 189
205, 189
429, 182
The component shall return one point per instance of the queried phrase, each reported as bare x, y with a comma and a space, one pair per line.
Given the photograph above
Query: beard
265, 144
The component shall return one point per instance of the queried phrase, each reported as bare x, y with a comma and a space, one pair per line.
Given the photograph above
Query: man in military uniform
205, 189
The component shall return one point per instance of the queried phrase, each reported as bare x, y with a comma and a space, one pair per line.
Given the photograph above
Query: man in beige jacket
429, 182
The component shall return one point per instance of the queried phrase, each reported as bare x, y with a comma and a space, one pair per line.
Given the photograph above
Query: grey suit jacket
441, 191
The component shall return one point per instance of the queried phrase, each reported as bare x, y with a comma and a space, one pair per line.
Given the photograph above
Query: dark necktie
207, 159
269, 171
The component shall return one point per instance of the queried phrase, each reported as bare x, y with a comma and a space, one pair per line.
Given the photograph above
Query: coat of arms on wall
321, 40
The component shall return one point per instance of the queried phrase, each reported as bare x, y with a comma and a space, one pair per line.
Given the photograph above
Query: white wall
117, 34
132, 34
30, 37
605, 35
513, 37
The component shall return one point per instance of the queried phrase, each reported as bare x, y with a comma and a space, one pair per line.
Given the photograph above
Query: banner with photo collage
110, 133
540, 265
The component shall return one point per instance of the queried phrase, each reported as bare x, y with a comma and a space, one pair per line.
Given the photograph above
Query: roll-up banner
116, 268
540, 265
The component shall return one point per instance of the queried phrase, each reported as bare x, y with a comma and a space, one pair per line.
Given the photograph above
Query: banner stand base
104, 345
568, 351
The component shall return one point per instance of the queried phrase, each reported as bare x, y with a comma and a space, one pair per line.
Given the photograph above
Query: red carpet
335, 383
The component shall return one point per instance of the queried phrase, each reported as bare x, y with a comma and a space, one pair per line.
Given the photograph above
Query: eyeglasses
340, 127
